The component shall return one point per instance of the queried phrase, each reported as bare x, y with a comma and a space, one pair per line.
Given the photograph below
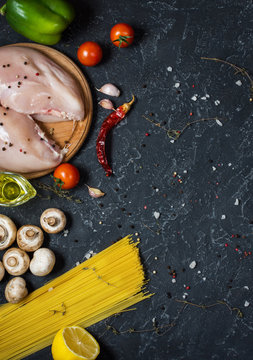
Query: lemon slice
74, 343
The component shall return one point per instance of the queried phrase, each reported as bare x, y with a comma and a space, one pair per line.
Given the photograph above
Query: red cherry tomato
89, 53
122, 35
66, 176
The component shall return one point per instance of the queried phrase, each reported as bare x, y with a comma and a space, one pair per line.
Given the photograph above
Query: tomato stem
57, 182
123, 39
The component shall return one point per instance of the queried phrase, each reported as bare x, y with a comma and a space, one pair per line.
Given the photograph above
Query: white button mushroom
16, 261
2, 271
30, 237
53, 220
42, 262
8, 232
16, 290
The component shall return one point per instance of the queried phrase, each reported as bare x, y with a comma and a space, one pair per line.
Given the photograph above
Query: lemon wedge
74, 343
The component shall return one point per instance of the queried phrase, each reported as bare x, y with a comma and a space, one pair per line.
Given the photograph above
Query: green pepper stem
3, 10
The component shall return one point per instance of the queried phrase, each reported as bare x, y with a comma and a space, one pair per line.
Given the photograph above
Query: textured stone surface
214, 163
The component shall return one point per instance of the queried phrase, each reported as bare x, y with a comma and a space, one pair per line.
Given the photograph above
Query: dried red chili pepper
112, 120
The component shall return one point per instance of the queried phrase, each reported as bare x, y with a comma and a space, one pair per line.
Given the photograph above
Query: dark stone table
189, 199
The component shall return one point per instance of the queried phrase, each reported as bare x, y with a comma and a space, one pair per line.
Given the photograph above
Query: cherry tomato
89, 53
66, 176
122, 35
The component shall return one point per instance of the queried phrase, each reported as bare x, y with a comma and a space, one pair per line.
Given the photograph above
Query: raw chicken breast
23, 145
31, 83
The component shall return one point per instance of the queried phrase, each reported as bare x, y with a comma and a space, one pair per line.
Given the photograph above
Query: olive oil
14, 189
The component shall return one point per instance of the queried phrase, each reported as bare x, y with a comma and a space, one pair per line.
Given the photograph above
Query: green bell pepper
42, 21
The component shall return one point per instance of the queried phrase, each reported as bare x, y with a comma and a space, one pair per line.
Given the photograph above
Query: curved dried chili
112, 120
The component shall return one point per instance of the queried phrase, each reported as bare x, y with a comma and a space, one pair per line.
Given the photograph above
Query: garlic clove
95, 193
106, 104
109, 89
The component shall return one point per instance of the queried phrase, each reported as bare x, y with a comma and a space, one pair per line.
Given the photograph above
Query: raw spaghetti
106, 284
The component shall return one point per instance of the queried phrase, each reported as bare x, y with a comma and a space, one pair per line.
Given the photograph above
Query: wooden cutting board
65, 131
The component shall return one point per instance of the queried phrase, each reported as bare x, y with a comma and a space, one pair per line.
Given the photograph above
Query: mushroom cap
53, 220
30, 237
16, 290
8, 232
2, 271
16, 261
42, 262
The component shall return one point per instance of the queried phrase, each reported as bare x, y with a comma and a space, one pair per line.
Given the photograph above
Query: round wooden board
65, 131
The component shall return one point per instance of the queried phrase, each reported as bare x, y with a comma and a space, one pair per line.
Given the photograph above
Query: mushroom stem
30, 233
51, 220
12, 261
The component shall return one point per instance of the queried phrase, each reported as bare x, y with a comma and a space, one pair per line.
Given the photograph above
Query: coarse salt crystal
207, 96
219, 122
214, 168
183, 205
238, 82
172, 141
169, 68
199, 272
229, 164
50, 289
203, 98
193, 264
65, 232
246, 304
246, 287
194, 97
157, 215
173, 281
204, 278
77, 263
236, 202
156, 190
217, 102
223, 217
177, 84
89, 254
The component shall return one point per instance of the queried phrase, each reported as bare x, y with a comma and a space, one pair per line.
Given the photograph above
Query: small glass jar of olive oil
14, 189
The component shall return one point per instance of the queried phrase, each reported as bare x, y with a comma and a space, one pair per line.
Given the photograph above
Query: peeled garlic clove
95, 193
106, 104
109, 89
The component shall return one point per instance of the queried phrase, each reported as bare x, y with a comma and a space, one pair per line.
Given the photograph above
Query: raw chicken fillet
31, 83
23, 145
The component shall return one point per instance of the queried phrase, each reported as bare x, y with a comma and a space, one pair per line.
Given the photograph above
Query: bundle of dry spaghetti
105, 284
